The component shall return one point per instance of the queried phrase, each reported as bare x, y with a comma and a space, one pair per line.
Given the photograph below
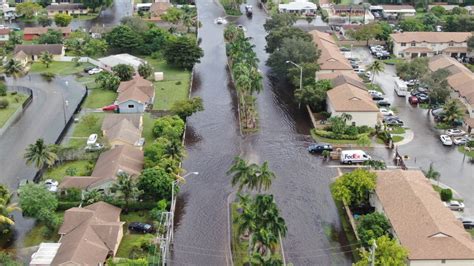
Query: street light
301, 72
173, 199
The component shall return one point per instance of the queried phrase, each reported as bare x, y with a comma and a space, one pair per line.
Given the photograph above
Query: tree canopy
182, 52
372, 226
123, 39
51, 37
279, 20
388, 252
185, 108
171, 127
156, 183
62, 20
413, 69
34, 198
314, 95
28, 9
124, 72
274, 38
354, 187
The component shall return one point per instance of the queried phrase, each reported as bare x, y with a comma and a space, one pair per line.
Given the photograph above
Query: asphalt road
426, 147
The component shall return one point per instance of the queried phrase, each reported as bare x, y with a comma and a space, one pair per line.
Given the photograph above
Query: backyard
14, 102
80, 167
82, 130
132, 243
59, 68
39, 234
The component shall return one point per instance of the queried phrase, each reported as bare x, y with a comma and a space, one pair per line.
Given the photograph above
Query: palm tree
268, 215
6, 210
263, 240
432, 173
242, 173
376, 67
174, 150
40, 154
264, 177
245, 220
13, 68
127, 187
46, 58
346, 117
452, 112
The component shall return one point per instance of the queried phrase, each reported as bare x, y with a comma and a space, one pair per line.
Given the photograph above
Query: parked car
319, 148
87, 69
51, 185
383, 103
92, 139
459, 140
455, 132
422, 98
242, 27
394, 122
95, 71
377, 98
112, 107
368, 74
446, 140
359, 70
375, 93
468, 223
411, 82
386, 112
140, 227
94, 147
220, 20
454, 205
345, 49
413, 100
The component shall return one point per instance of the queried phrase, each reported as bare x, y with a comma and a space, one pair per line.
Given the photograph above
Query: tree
452, 112
127, 188
6, 209
95, 47
28, 9
185, 108
8, 260
51, 37
156, 184
46, 58
366, 32
279, 20
94, 4
411, 24
124, 72
388, 252
372, 226
438, 86
385, 31
461, 23
263, 177
173, 15
124, 39
314, 95
171, 127
354, 188
430, 21
309, 68
174, 150
13, 39
145, 70
183, 52
13, 68
107, 81
414, 69
364, 141
470, 43
446, 194
242, 173
136, 24
438, 11
275, 37
34, 198
40, 154
44, 20
376, 67
62, 20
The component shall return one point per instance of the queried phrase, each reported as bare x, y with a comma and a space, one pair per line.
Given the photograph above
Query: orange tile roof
331, 57
431, 37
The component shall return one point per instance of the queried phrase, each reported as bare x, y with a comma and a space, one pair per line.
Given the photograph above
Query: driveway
456, 171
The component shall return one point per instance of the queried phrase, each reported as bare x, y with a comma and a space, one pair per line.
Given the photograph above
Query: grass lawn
468, 153
37, 234
130, 245
99, 98
397, 139
393, 61
397, 130
86, 16
148, 129
82, 131
58, 172
58, 68
471, 231
175, 85
349, 233
15, 101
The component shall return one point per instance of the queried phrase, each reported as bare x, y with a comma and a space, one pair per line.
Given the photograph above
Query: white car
459, 140
51, 185
92, 139
220, 20
446, 140
411, 82
95, 71
359, 70
386, 112
368, 74
455, 132
375, 93
454, 205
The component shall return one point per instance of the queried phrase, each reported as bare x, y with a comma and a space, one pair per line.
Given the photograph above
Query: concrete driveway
456, 171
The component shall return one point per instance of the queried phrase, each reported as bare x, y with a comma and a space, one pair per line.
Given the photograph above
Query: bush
372, 226
446, 194
171, 127
3, 89
351, 131
4, 103
71, 195
330, 135
364, 129
13, 93
64, 205
48, 76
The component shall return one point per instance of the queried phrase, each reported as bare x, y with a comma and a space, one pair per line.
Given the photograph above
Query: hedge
133, 206
330, 135
65, 205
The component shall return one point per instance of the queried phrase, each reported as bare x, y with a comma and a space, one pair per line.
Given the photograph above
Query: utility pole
301, 75
372, 253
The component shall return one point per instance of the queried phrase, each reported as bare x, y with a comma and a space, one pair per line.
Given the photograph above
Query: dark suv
140, 227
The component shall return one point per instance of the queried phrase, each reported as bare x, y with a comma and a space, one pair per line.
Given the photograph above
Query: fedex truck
354, 156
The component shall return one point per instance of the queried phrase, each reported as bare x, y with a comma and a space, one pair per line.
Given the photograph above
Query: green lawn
397, 139
471, 231
130, 245
58, 172
86, 17
82, 131
175, 85
468, 153
393, 61
15, 101
99, 98
59, 68
147, 132
37, 234
397, 130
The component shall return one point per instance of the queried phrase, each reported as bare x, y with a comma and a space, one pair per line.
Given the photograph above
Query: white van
401, 87
354, 156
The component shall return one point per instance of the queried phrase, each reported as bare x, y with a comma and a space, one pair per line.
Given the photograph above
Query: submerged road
212, 140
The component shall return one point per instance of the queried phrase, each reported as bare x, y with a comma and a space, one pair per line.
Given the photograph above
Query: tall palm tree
264, 177
13, 68
432, 173
268, 215
246, 220
452, 112
40, 154
174, 150
264, 241
242, 173
376, 67
5, 211
127, 187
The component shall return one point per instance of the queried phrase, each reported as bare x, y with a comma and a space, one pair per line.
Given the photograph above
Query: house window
404, 44
451, 44
413, 43
443, 261
131, 106
423, 55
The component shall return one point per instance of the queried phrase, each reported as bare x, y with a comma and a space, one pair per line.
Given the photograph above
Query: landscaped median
9, 104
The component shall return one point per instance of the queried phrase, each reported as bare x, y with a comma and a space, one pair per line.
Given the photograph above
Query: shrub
372, 226
171, 127
446, 194
470, 144
330, 135
13, 93
48, 76
364, 129
71, 195
4, 103
351, 131
64, 205
3, 89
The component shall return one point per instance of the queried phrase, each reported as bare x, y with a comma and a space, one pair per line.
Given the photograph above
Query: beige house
33, 51
66, 8
427, 44
123, 129
420, 222
21, 57
398, 11
89, 235
350, 96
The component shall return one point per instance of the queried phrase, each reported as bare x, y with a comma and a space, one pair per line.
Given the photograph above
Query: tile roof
124, 131
81, 182
121, 158
64, 7
37, 49
138, 89
397, 7
4, 31
110, 120
20, 55
349, 95
89, 235
43, 30
418, 50
159, 8
331, 57
431, 37
335, 74
419, 219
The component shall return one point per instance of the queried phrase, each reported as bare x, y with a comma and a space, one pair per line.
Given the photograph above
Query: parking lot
456, 171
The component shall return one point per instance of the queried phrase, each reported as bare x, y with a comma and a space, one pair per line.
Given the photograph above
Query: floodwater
213, 140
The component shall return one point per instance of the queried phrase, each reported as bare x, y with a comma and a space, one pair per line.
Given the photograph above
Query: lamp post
173, 201
301, 75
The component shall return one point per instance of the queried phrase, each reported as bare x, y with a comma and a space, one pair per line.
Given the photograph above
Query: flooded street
302, 185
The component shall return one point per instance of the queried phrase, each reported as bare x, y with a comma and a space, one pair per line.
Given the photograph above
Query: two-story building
427, 44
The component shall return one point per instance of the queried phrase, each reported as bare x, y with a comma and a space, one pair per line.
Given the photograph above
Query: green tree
34, 198
185, 108
92, 196
62, 20
154, 153
95, 47
388, 252
14, 38
364, 141
452, 112
183, 52
135, 23
40, 154
46, 58
174, 150
372, 226
107, 81
309, 68
6, 209
263, 177
145, 70
354, 188
123, 39
459, 11
376, 67
413, 69
94, 4
314, 95
156, 184
275, 37
173, 15
171, 127
44, 20
470, 43
279, 20
7, 260
28, 9
411, 24
438, 86
430, 21
385, 31
366, 32
438, 11
13, 68
242, 173
51, 37
127, 188
124, 72
461, 23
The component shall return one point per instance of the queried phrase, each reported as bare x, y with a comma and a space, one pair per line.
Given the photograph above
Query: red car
413, 100
112, 107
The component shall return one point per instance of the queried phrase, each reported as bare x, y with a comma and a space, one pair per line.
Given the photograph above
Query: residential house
157, 9
4, 35
33, 51
127, 59
298, 7
470, 9
348, 14
123, 129
21, 57
398, 11
350, 96
97, 32
124, 158
135, 95
89, 235
31, 33
419, 220
422, 44
66, 8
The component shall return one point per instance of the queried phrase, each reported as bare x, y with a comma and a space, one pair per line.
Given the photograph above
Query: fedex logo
352, 156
